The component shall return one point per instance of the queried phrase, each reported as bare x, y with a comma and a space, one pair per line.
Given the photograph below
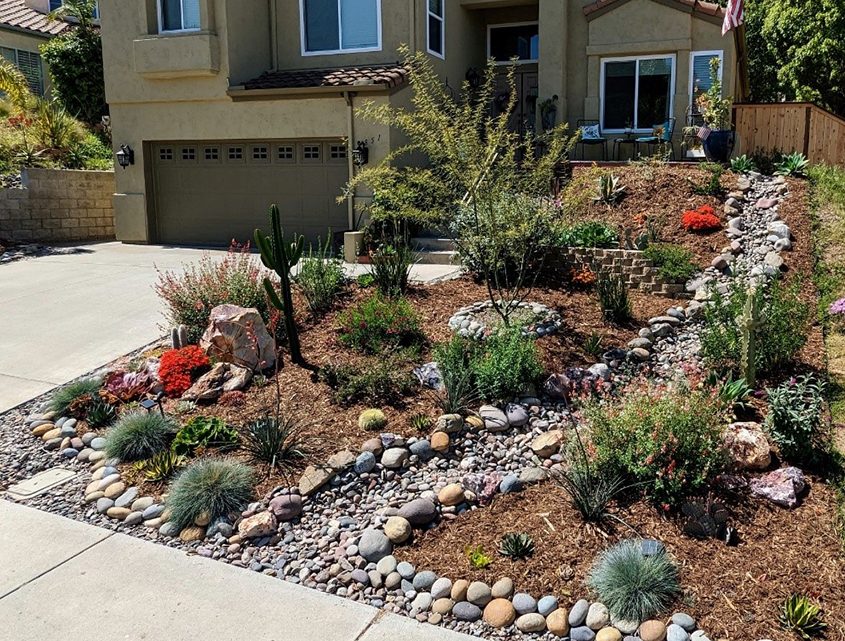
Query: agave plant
517, 546
743, 164
800, 615
610, 190
421, 422
100, 413
161, 466
794, 164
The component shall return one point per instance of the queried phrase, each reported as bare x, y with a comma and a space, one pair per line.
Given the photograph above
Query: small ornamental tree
75, 59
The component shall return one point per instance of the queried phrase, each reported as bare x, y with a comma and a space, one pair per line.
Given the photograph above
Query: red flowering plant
667, 438
380, 323
703, 218
190, 294
179, 367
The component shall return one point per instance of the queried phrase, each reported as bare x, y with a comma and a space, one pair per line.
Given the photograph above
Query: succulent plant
421, 422
100, 413
372, 420
517, 546
610, 190
478, 560
800, 615
161, 466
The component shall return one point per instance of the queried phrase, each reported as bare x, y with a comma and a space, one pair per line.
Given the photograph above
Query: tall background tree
76, 62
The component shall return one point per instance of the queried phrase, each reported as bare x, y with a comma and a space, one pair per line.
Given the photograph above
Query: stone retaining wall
639, 272
58, 205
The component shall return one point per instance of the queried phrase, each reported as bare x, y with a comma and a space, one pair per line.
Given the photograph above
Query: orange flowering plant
178, 367
703, 218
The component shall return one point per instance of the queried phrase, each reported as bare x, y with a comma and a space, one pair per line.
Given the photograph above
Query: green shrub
391, 268
64, 396
632, 585
794, 420
668, 439
589, 234
209, 488
508, 364
191, 293
372, 420
613, 297
379, 381
365, 280
204, 431
780, 333
320, 278
454, 360
713, 186
379, 323
139, 435
674, 263
275, 441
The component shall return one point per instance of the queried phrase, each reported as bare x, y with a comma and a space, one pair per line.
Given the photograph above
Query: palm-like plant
81, 12
14, 85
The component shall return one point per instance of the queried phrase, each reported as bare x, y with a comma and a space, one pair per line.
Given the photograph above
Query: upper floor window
339, 26
55, 4
435, 28
179, 15
519, 40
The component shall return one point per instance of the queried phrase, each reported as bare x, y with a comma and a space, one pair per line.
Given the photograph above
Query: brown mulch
661, 193
734, 592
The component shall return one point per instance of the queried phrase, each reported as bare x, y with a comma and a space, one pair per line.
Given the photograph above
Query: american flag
733, 16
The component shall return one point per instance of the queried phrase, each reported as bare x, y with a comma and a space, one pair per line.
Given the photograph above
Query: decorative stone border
465, 322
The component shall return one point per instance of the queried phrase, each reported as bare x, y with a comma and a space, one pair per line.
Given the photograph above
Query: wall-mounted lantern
361, 154
125, 156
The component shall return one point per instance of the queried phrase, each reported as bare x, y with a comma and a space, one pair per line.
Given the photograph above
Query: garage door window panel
312, 153
285, 154
211, 154
337, 152
235, 153
260, 154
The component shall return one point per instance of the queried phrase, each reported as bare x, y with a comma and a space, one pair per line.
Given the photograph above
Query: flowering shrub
668, 439
190, 295
837, 308
702, 219
380, 323
178, 368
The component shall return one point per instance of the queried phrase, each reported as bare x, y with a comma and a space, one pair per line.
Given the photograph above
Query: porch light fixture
125, 156
473, 78
361, 154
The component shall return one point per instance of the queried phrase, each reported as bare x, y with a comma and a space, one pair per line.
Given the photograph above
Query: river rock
374, 545
494, 419
258, 525
452, 494
547, 444
499, 613
419, 512
531, 622
558, 622
397, 529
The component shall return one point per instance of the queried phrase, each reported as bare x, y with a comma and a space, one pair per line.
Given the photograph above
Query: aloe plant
281, 257
802, 616
610, 190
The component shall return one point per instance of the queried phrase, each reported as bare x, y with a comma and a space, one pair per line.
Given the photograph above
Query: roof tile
707, 8
390, 76
15, 13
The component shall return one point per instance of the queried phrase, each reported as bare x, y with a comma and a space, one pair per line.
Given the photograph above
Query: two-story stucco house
230, 105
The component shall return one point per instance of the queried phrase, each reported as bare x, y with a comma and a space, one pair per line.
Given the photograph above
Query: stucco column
682, 90
553, 33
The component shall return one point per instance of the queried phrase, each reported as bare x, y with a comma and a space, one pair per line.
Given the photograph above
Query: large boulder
223, 377
782, 487
238, 335
747, 446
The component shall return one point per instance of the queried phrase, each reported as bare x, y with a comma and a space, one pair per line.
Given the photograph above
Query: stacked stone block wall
638, 271
57, 206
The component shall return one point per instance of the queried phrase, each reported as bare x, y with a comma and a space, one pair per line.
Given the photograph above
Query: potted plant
716, 112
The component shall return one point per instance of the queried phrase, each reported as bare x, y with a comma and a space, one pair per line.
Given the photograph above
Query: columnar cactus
179, 337
281, 258
748, 323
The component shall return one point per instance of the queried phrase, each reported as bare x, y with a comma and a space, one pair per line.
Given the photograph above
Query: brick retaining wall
58, 205
639, 272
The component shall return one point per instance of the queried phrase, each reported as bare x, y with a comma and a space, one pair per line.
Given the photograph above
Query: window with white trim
636, 92
178, 15
699, 65
340, 26
55, 4
29, 64
436, 28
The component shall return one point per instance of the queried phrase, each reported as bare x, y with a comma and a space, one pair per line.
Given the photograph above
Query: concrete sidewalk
62, 580
65, 315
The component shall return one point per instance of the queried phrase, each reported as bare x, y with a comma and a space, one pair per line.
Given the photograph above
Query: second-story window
338, 26
179, 15
435, 28
56, 4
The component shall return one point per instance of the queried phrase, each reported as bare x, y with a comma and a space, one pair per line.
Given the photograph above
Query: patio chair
662, 136
590, 134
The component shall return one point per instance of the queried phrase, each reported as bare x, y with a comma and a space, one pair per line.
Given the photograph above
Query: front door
523, 119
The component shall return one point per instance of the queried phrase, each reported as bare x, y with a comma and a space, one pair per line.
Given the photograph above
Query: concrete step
431, 243
436, 257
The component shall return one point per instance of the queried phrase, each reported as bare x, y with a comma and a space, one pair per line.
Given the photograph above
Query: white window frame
693, 55
334, 52
161, 28
639, 130
430, 14
528, 23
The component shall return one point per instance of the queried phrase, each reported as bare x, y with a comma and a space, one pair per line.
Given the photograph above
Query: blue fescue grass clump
139, 435
634, 586
210, 487
63, 397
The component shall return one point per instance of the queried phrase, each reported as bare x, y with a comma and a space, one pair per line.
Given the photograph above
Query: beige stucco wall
26, 42
58, 205
173, 87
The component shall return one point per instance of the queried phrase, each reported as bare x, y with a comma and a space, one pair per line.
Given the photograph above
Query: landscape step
430, 257
431, 243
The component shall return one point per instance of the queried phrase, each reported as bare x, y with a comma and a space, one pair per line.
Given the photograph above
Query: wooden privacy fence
789, 127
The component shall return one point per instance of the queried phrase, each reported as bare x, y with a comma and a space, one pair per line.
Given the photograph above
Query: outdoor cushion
590, 132
667, 131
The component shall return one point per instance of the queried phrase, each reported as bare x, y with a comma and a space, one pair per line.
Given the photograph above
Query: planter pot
353, 246
719, 145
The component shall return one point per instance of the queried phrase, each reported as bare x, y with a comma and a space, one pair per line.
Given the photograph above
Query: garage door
209, 193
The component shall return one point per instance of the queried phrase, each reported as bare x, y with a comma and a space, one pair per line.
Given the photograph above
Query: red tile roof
695, 6
15, 13
390, 76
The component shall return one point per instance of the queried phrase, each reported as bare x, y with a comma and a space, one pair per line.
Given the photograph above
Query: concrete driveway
64, 315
